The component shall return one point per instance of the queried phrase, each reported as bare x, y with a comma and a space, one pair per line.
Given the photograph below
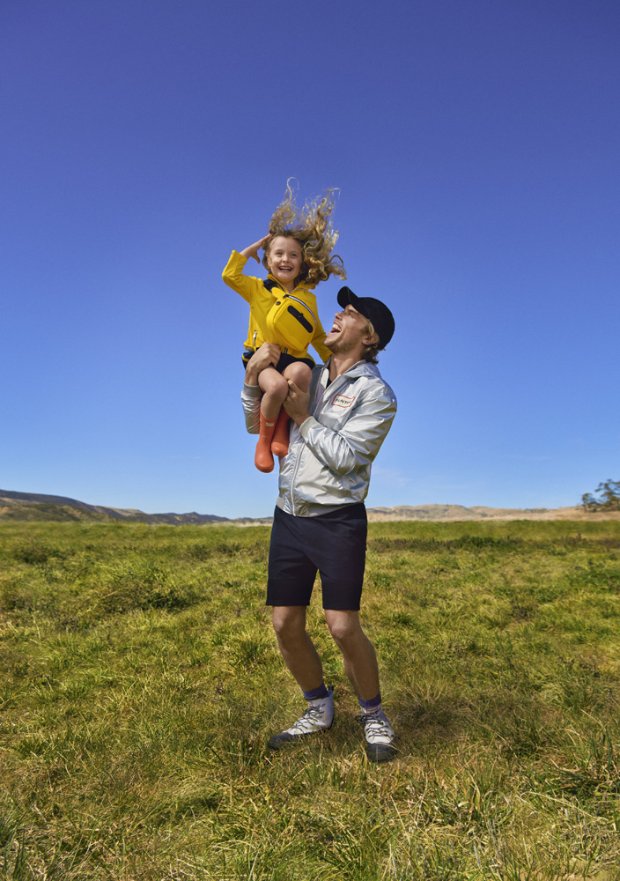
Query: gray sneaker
318, 717
379, 736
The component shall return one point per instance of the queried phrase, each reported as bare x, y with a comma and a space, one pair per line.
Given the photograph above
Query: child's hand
252, 250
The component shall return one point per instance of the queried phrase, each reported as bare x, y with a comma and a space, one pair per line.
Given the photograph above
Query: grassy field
140, 681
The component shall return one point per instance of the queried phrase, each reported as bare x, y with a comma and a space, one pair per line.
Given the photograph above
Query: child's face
284, 259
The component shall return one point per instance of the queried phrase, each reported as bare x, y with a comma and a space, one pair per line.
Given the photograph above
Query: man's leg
360, 660
296, 647
360, 664
301, 658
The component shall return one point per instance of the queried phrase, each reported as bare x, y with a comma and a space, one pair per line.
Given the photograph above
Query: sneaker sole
277, 741
380, 752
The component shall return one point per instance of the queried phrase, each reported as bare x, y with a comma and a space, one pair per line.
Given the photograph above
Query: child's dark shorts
282, 364
333, 544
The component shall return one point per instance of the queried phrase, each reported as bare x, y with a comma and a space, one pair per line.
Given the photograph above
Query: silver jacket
331, 453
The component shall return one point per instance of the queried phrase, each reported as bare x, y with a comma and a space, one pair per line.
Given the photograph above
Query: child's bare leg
275, 389
300, 374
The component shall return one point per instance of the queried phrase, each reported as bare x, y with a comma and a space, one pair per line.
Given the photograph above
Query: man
320, 519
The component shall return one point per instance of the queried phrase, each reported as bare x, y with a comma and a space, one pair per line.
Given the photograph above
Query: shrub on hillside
606, 497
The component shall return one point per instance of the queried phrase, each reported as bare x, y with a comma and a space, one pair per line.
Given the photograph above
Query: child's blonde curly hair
310, 226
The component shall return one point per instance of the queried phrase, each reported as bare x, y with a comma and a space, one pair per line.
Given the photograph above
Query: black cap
374, 310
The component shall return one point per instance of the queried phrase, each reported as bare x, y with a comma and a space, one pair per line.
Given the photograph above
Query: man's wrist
251, 376
304, 425
253, 390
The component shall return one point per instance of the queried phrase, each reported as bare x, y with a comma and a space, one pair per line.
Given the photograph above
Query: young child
283, 309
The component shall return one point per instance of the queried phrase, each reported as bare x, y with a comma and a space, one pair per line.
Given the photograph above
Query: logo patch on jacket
344, 401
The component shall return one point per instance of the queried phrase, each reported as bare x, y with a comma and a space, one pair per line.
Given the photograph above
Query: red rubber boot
279, 444
263, 458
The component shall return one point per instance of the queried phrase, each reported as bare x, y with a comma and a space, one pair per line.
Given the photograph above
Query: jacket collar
270, 283
360, 368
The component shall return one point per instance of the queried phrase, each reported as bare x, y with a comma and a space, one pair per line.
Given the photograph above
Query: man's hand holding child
297, 403
267, 355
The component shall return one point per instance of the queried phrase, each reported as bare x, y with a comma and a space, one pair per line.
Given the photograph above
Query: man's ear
371, 339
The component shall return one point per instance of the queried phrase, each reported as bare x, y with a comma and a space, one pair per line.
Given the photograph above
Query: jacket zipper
301, 303
298, 462
293, 479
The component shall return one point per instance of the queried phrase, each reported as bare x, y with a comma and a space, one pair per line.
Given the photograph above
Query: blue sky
475, 146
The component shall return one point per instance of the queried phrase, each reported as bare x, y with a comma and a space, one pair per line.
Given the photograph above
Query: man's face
350, 331
284, 260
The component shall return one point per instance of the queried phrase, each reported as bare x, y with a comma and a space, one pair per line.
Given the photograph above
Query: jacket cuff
251, 391
307, 425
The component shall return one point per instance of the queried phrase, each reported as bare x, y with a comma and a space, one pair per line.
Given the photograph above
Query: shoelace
309, 721
375, 726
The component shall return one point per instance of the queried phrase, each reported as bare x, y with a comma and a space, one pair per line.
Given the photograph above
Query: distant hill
478, 512
37, 506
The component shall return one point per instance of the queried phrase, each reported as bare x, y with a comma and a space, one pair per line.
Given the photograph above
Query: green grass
140, 681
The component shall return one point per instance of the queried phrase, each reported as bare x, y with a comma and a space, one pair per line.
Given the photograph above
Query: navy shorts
282, 364
332, 544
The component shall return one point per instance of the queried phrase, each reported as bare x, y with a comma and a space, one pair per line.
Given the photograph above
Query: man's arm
267, 355
358, 441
